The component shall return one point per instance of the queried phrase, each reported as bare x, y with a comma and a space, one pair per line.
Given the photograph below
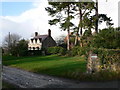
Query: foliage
20, 49
77, 50
35, 52
56, 50
11, 40
109, 58
62, 15
104, 75
107, 38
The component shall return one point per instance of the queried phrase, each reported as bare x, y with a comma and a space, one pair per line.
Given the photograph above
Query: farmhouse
41, 41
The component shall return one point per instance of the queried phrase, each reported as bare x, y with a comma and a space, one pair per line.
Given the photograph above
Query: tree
56, 10
10, 41
84, 10
96, 14
107, 38
72, 9
20, 49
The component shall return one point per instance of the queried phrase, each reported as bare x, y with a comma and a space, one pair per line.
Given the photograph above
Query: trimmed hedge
109, 58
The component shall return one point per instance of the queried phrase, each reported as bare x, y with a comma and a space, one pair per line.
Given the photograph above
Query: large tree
62, 13
83, 10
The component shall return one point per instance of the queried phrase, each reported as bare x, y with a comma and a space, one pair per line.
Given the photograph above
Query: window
35, 40
40, 39
32, 40
37, 48
33, 48
29, 48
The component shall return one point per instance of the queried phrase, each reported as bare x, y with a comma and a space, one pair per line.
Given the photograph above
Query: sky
25, 18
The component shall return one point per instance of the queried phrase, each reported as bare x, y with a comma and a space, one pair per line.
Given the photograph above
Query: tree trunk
79, 25
96, 13
80, 11
68, 39
76, 39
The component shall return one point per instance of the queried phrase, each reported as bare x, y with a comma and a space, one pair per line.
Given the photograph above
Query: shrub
109, 58
56, 50
77, 50
107, 38
34, 52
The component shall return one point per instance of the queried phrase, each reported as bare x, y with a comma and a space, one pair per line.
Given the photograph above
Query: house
41, 41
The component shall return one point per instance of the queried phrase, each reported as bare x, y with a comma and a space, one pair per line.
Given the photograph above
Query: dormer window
32, 40
40, 39
35, 40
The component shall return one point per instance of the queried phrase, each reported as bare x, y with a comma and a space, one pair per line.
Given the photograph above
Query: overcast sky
25, 18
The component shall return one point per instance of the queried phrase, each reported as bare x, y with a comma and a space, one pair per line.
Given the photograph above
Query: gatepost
93, 63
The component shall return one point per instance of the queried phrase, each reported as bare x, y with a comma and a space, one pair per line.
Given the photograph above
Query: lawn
52, 65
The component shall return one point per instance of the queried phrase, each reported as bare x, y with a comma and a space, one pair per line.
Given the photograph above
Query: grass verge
54, 65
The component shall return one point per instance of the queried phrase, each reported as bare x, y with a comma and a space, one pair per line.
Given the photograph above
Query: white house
41, 41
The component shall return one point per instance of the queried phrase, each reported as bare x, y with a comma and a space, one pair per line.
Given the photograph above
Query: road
25, 79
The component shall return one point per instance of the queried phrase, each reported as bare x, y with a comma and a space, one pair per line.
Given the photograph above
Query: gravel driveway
26, 79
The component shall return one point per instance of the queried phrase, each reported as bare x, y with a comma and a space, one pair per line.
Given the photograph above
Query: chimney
49, 32
36, 33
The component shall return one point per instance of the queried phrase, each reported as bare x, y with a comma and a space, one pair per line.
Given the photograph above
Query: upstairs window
35, 40
40, 39
32, 40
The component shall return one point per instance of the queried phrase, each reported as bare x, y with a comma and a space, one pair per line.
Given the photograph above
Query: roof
43, 37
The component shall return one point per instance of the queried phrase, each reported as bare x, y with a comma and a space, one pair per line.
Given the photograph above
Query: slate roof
43, 37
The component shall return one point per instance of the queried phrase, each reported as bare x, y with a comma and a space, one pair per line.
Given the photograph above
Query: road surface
25, 79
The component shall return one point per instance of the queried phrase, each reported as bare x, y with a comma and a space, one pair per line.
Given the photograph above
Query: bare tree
11, 40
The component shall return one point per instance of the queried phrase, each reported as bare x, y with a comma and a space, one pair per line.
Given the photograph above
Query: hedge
56, 50
109, 58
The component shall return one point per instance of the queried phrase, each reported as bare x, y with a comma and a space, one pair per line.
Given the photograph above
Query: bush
107, 38
109, 58
104, 75
34, 52
77, 50
56, 50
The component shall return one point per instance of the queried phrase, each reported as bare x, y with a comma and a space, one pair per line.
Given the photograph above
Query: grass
62, 66
55, 65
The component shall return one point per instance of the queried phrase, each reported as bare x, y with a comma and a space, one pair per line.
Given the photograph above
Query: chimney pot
36, 33
49, 32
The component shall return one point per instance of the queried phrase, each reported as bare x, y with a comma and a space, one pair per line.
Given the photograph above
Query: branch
76, 14
84, 12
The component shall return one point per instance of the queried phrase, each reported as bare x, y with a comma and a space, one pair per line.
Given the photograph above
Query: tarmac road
25, 79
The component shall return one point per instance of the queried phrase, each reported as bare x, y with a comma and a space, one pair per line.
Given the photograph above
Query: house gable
48, 42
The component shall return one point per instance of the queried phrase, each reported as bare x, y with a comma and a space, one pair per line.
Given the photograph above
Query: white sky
36, 19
